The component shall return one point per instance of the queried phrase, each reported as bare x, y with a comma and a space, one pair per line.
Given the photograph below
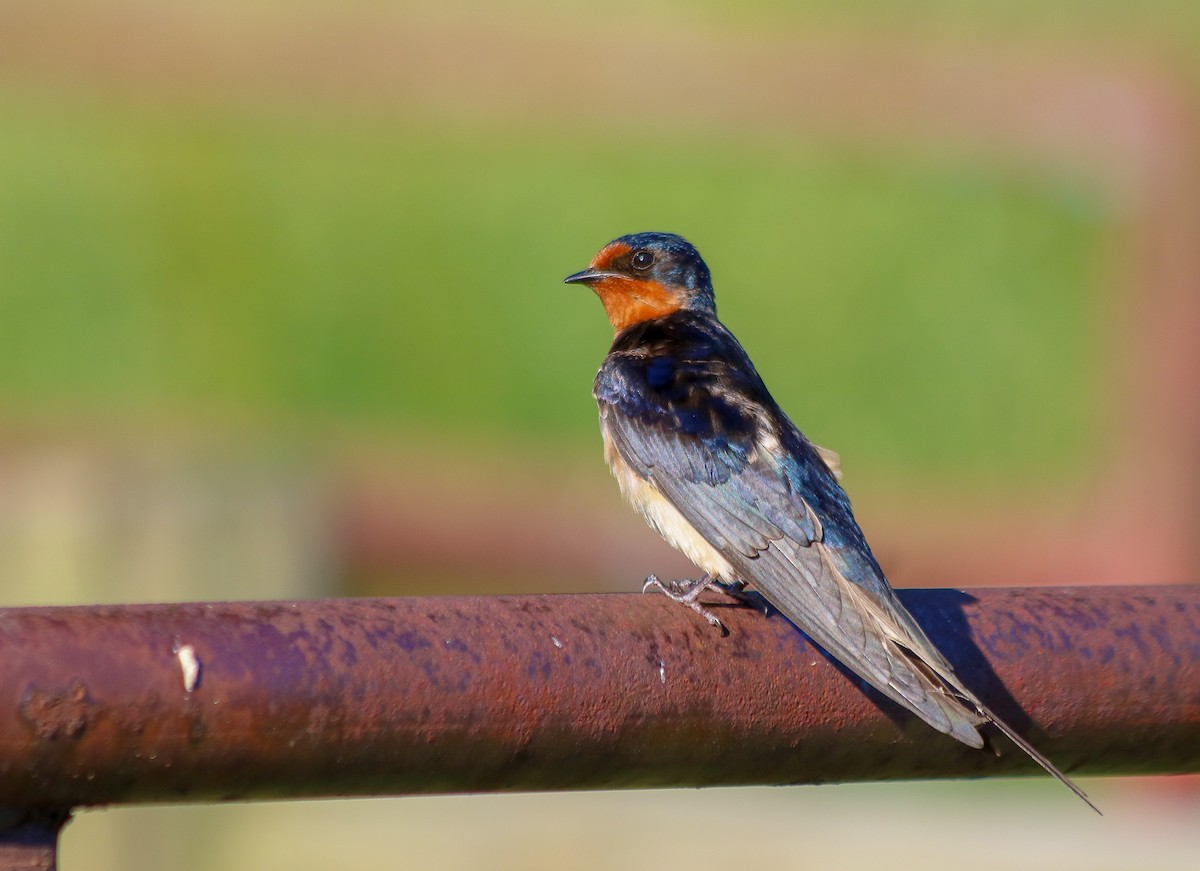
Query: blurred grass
914, 311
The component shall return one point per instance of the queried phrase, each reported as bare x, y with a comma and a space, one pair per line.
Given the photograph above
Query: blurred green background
256, 260
286, 273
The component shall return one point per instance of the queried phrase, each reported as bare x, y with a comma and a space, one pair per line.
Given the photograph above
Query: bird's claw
685, 587
687, 592
652, 581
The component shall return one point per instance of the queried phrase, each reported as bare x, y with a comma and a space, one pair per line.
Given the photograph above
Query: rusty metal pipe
386, 696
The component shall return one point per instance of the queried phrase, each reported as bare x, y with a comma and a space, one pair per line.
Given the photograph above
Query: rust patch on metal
61, 713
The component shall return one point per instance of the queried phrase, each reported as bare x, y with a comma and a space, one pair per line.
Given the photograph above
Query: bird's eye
642, 259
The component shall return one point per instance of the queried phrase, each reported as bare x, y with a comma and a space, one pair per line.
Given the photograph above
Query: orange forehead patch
628, 301
608, 254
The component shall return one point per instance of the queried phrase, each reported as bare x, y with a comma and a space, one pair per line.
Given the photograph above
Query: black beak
586, 276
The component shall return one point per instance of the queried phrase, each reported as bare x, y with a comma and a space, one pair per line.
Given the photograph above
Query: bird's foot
687, 592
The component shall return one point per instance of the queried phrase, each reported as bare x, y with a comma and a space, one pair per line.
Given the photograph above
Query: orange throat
628, 301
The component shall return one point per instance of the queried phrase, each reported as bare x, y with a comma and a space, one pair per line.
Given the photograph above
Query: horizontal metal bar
388, 696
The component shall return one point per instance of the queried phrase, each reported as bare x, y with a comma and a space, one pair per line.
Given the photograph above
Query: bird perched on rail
704, 453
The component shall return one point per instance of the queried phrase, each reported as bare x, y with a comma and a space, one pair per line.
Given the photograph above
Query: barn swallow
703, 452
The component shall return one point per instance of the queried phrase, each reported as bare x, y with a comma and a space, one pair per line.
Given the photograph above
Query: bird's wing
756, 490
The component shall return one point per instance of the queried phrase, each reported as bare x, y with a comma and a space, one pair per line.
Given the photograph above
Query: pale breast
664, 517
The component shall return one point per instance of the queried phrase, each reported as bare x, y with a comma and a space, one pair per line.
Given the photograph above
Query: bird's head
647, 275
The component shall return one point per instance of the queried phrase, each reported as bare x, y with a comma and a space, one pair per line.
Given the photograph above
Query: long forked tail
948, 686
955, 690
1033, 754
870, 632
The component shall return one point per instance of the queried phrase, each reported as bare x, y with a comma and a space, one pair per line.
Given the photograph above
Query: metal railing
161, 703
